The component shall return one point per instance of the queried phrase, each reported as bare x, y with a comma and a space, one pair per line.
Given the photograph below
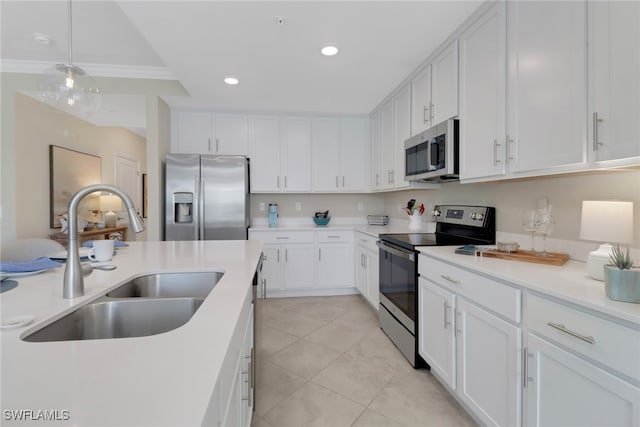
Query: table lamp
110, 203
605, 221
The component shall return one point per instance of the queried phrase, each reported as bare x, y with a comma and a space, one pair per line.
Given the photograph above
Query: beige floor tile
259, 422
273, 385
371, 418
377, 346
292, 322
358, 380
313, 406
337, 336
324, 308
304, 358
270, 340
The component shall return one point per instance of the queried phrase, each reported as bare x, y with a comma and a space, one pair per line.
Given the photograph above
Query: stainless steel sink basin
169, 285
119, 319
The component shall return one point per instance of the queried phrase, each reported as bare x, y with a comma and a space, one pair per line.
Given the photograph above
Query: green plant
620, 259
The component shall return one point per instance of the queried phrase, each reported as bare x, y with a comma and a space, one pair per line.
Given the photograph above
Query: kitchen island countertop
164, 379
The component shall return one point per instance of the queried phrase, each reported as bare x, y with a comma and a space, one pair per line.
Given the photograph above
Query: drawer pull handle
562, 328
333, 237
449, 279
282, 238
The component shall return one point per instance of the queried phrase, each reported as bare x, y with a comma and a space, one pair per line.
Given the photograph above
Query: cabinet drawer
367, 241
327, 236
500, 298
283, 237
609, 343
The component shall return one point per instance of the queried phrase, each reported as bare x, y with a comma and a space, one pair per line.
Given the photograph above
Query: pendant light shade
67, 86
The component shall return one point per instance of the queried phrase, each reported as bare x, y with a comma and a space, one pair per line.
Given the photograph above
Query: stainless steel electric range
455, 225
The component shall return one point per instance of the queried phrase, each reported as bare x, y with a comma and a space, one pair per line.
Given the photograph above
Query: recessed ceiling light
329, 50
231, 80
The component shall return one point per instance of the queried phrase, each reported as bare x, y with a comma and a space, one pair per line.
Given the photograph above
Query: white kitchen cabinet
614, 80
264, 137
421, 101
434, 91
335, 259
367, 268
483, 83
280, 154
355, 153
402, 131
436, 343
546, 98
207, 132
271, 270
299, 266
565, 390
388, 146
340, 154
488, 365
376, 148
296, 154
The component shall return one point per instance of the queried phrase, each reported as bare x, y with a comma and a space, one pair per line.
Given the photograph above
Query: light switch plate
262, 207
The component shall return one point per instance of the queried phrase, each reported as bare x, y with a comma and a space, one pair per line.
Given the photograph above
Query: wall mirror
71, 170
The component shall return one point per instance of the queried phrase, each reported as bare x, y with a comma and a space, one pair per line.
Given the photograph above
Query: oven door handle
407, 255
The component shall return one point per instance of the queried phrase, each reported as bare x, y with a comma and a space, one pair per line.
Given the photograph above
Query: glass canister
273, 214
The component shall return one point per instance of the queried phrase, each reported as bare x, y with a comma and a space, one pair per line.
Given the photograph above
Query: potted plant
622, 281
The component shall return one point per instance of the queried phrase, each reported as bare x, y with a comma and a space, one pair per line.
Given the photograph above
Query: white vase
415, 221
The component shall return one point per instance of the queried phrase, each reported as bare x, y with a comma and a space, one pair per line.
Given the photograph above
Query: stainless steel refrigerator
206, 197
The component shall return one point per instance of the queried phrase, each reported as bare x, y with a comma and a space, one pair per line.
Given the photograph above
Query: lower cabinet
306, 263
367, 268
565, 390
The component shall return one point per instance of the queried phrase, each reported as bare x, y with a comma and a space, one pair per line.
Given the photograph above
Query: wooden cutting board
551, 258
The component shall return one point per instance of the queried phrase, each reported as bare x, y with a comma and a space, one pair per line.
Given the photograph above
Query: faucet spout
73, 285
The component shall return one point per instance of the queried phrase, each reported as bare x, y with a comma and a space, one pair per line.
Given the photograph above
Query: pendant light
67, 86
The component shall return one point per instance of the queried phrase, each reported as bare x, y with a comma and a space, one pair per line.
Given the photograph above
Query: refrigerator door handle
201, 208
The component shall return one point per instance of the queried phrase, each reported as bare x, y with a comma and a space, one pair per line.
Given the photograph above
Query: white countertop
394, 226
164, 379
569, 282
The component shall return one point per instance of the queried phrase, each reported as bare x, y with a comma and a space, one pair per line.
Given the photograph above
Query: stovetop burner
411, 240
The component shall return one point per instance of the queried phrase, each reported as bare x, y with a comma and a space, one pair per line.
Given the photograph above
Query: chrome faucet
73, 285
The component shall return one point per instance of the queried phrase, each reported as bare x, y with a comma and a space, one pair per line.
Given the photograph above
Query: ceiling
198, 43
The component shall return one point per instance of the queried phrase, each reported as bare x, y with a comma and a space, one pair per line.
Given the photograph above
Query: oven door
398, 283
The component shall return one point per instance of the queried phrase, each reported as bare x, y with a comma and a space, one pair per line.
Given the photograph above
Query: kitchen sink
119, 319
168, 285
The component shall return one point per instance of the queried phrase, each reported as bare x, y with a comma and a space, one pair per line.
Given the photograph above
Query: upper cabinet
340, 154
614, 70
546, 97
296, 154
434, 91
402, 131
483, 57
205, 132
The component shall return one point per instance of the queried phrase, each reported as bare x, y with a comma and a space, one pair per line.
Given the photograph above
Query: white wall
565, 193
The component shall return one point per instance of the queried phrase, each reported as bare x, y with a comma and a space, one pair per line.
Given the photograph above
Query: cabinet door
614, 53
326, 155
264, 136
355, 154
444, 85
483, 82
335, 266
231, 134
296, 146
376, 146
195, 131
388, 145
565, 390
436, 341
488, 366
361, 271
272, 269
371, 263
421, 101
547, 79
299, 261
402, 131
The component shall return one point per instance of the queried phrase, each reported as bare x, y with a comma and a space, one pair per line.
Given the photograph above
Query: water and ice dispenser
182, 208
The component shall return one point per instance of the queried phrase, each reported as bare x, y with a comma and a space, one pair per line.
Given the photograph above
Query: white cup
102, 250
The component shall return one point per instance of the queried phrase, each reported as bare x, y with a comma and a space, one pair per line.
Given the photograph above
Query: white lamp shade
110, 203
607, 221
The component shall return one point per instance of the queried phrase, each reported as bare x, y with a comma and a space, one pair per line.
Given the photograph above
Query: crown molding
96, 70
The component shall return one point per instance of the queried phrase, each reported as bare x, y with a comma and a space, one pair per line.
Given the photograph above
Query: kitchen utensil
321, 221
87, 268
529, 256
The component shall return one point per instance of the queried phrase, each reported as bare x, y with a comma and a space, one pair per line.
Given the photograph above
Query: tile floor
323, 361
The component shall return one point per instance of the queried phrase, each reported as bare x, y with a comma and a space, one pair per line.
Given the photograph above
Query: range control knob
479, 216
437, 213
472, 215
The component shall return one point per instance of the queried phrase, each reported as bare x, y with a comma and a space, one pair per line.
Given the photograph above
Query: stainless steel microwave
433, 154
